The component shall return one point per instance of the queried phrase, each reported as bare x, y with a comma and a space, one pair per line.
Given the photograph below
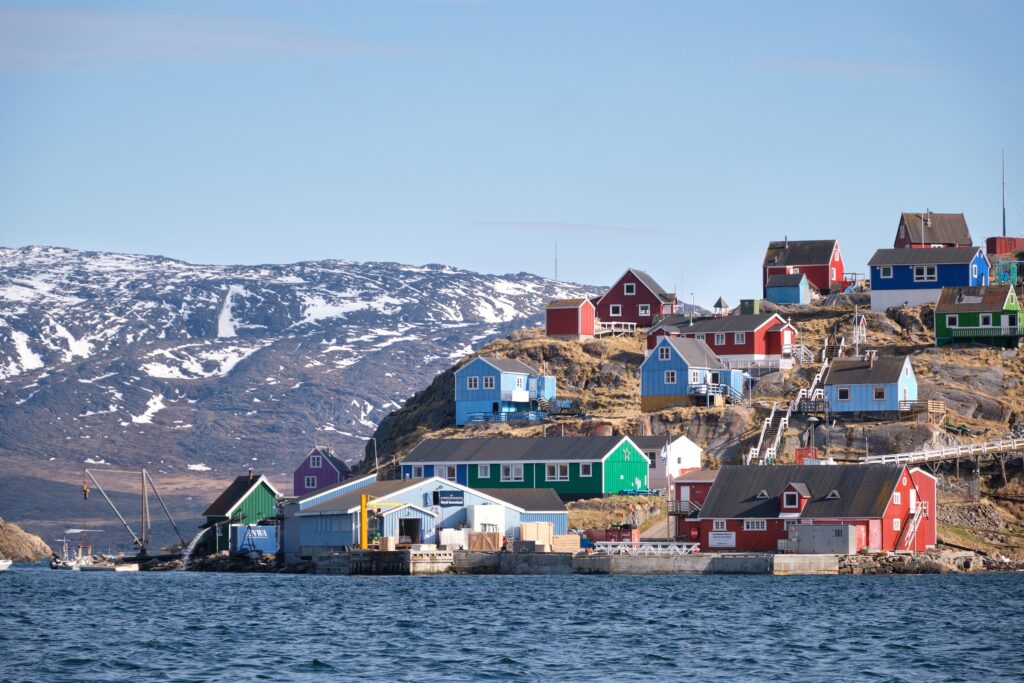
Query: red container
622, 535
802, 454
1004, 245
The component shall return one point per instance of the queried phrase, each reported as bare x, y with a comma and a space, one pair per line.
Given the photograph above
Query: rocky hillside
19, 545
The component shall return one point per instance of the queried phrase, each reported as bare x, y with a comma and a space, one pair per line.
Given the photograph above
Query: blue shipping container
246, 538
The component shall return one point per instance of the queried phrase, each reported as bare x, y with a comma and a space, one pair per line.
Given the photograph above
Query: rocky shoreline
19, 545
934, 562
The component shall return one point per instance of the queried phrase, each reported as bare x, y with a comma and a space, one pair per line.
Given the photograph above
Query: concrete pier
391, 562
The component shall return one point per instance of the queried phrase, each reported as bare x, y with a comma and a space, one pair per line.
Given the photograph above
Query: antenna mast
1004, 192
556, 261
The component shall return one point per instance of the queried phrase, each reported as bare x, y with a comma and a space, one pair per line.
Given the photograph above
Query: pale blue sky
671, 136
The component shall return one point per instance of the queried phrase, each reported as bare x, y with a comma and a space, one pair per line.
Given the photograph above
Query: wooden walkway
962, 452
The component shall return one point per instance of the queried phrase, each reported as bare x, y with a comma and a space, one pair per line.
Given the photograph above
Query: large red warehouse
569, 318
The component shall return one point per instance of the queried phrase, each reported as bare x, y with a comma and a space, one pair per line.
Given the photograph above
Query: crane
364, 500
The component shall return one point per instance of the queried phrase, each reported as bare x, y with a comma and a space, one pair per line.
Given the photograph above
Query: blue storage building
789, 288
681, 371
500, 389
260, 538
916, 276
885, 385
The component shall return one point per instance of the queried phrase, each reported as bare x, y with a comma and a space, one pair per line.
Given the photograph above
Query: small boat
5, 565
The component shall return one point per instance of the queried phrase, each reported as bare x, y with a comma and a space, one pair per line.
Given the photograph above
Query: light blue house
916, 276
788, 288
680, 371
414, 510
499, 389
877, 386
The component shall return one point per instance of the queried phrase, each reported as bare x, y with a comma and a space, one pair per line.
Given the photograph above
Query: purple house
319, 469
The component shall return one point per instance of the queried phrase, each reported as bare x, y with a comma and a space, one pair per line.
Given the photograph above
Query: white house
670, 456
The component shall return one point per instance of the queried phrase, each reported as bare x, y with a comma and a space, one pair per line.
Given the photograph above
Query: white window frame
885, 272
719, 338
520, 383
615, 310
952, 320
719, 525
417, 471
839, 393
974, 270
310, 481
701, 336
472, 383
874, 392
511, 472
739, 338
926, 273
786, 498
981, 320
643, 309
664, 353
895, 523
483, 471
629, 288
556, 471
316, 461
488, 382
670, 377
694, 376
755, 525
833, 274
897, 498
586, 469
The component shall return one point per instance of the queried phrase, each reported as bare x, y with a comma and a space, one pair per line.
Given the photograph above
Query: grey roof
799, 253
917, 257
229, 498
652, 284
509, 365
537, 449
785, 280
972, 299
698, 476
864, 490
654, 442
349, 500
565, 303
696, 353
727, 323
882, 370
530, 500
721, 303
942, 228
335, 461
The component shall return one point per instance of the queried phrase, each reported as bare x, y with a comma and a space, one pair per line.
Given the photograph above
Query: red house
820, 260
569, 318
635, 299
927, 230
753, 509
738, 340
691, 490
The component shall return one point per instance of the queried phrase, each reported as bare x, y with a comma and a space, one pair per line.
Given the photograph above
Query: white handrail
947, 453
645, 548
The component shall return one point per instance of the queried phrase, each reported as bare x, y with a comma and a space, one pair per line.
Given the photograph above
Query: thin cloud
32, 39
847, 69
575, 228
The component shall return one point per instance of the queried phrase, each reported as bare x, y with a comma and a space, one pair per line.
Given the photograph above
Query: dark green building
249, 499
978, 315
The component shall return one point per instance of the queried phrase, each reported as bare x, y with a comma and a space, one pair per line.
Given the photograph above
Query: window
833, 275
974, 270
952, 320
843, 393
644, 309
718, 525
488, 382
664, 353
557, 472
447, 472
762, 494
694, 376
837, 533
719, 339
790, 499
615, 310
417, 471
519, 383
739, 337
629, 288
511, 472
472, 382
885, 272
670, 377
897, 498
701, 336
586, 469
316, 462
833, 495
896, 524
879, 393
310, 482
483, 471
986, 319
925, 274
652, 457
755, 525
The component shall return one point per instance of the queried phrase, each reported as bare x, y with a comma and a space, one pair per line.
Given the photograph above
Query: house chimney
250, 474
786, 238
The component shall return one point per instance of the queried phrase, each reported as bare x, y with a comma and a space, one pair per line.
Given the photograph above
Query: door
409, 530
715, 378
684, 498
1010, 320
913, 501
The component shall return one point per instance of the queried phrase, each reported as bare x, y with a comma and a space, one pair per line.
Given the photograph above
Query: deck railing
645, 548
922, 407
1001, 331
616, 327
522, 416
683, 507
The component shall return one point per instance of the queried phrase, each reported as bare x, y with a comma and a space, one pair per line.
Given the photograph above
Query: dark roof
721, 303
917, 257
785, 280
530, 500
972, 299
942, 228
350, 499
330, 457
696, 353
655, 442
509, 365
864, 490
538, 449
799, 253
565, 303
652, 284
236, 491
727, 323
883, 370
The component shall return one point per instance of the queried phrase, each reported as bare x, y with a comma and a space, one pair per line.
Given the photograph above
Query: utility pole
693, 305
556, 261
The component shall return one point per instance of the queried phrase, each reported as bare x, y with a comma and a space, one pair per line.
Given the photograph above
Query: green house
984, 315
248, 500
574, 466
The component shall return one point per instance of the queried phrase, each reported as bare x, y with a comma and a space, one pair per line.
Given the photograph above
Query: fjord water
185, 626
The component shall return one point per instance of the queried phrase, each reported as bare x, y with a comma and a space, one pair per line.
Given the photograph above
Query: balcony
683, 508
519, 395
1002, 331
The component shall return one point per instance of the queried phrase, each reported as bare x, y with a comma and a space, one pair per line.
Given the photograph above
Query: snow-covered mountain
144, 360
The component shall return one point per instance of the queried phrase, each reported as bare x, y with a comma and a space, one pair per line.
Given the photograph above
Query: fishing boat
5, 565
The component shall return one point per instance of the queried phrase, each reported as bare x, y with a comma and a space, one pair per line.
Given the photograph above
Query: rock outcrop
21, 546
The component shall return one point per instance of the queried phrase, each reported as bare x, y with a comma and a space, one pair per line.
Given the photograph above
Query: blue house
916, 276
414, 510
789, 288
680, 371
876, 386
500, 389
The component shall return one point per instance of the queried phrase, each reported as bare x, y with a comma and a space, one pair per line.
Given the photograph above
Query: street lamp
693, 305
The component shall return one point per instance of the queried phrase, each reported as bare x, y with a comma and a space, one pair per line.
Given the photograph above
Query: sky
676, 137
